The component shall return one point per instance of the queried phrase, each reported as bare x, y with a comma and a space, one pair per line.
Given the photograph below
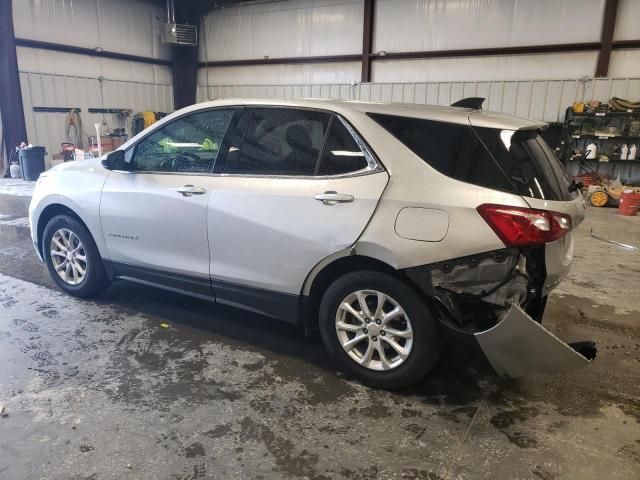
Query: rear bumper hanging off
518, 345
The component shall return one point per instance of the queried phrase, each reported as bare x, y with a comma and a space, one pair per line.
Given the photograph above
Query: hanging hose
73, 128
621, 105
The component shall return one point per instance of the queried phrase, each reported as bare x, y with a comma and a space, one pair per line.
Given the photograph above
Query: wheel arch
48, 213
326, 272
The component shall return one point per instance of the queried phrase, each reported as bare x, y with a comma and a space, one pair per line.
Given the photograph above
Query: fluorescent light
346, 153
184, 145
505, 136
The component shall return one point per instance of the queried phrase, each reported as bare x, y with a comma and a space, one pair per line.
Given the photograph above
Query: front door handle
331, 198
189, 190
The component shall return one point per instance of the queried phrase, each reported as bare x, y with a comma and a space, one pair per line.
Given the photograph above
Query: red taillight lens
517, 226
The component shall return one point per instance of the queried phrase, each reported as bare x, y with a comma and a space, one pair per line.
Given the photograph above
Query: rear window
517, 162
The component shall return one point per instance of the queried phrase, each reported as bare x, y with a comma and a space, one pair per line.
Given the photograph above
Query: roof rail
470, 102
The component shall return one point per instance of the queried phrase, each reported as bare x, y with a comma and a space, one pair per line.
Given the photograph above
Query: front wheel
72, 257
379, 329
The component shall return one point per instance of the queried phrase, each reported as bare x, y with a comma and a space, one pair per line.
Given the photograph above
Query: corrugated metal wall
59, 79
334, 27
124, 26
538, 99
46, 90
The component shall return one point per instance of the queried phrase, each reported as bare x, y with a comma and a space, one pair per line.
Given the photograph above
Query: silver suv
392, 228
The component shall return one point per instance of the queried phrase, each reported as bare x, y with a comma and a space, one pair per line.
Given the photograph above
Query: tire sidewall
427, 343
95, 277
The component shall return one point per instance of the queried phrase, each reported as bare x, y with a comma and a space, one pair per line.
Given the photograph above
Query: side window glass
278, 141
452, 149
188, 144
341, 154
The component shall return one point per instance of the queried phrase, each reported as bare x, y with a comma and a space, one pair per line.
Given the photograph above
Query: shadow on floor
452, 381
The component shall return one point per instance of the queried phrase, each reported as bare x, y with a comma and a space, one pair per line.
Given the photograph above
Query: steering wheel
182, 162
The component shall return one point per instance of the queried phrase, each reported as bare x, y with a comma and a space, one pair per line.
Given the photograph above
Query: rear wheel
379, 329
72, 257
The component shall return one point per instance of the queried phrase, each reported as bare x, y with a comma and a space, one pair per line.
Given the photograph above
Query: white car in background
392, 228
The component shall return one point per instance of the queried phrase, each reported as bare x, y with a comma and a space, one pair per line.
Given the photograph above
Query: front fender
74, 190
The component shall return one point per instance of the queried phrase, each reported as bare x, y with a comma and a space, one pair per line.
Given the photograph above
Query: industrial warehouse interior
319, 239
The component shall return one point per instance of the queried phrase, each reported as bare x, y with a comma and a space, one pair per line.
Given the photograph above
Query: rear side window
277, 141
341, 153
517, 162
528, 162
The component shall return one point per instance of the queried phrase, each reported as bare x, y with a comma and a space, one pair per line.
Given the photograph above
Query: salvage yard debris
612, 242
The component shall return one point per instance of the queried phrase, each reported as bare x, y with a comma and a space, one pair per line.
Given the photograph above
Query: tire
95, 278
426, 342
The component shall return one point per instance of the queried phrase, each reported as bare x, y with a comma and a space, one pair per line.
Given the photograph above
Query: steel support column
185, 58
367, 40
14, 129
606, 38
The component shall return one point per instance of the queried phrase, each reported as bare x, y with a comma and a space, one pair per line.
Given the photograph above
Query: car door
296, 186
154, 213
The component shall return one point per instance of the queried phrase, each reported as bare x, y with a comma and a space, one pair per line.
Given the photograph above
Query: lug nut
368, 320
383, 333
378, 322
365, 331
375, 339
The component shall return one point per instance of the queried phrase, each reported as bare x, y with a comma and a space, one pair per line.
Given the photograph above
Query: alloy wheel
374, 330
68, 256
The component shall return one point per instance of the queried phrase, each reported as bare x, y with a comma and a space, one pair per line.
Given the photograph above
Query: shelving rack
609, 131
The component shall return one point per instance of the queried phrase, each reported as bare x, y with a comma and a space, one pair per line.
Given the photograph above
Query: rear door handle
189, 190
331, 198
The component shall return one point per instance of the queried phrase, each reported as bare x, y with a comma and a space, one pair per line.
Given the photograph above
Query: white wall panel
625, 63
414, 25
341, 72
46, 90
295, 28
538, 99
507, 67
55, 63
124, 26
627, 26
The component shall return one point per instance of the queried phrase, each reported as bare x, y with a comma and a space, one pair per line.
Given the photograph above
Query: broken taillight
517, 226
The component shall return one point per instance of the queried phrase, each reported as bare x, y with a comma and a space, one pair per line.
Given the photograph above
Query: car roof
459, 115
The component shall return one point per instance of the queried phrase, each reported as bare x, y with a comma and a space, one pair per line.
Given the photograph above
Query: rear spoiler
470, 102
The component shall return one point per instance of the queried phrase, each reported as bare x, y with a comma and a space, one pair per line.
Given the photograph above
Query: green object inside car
209, 145
167, 145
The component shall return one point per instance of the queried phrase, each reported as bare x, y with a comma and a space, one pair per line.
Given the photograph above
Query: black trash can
31, 162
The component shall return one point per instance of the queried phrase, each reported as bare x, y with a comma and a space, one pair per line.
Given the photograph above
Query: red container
629, 203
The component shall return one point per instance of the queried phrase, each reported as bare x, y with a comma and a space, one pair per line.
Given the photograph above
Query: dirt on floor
147, 384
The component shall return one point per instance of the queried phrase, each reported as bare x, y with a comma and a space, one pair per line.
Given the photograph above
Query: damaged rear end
491, 305
493, 302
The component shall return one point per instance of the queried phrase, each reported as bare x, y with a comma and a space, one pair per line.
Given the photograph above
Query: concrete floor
99, 390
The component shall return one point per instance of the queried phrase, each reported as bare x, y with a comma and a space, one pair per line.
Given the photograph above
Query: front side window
277, 141
189, 144
517, 162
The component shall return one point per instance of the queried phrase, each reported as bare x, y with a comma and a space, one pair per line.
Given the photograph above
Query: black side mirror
115, 161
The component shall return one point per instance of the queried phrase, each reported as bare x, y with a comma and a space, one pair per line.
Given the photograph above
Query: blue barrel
32, 162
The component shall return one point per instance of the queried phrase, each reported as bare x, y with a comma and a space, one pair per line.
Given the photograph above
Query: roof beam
92, 52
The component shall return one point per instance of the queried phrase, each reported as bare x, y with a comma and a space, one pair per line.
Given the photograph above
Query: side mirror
115, 161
